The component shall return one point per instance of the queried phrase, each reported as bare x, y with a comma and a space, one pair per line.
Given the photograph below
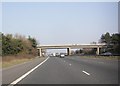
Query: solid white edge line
23, 76
85, 72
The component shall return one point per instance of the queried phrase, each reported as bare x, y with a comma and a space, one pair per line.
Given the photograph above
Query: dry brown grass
0, 61
10, 58
8, 61
104, 57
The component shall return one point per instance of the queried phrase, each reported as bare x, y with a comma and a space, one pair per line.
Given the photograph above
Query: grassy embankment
103, 57
8, 61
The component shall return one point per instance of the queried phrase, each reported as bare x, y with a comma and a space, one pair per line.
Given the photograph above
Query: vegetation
102, 57
113, 43
16, 49
16, 45
13, 60
0, 44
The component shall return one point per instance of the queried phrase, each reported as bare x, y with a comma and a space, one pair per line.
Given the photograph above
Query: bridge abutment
68, 51
98, 50
39, 52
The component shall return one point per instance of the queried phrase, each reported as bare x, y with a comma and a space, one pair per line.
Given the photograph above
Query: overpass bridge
69, 47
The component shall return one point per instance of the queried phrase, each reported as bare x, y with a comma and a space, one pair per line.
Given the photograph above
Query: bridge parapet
70, 45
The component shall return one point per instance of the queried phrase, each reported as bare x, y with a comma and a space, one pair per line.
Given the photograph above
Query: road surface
68, 70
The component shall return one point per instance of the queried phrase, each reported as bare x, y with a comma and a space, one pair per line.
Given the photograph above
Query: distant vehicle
106, 54
57, 54
54, 54
50, 55
62, 55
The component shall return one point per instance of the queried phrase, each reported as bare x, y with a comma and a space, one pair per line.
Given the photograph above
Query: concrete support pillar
98, 51
40, 52
68, 51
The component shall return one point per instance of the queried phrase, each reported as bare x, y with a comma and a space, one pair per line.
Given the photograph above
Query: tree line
112, 41
18, 44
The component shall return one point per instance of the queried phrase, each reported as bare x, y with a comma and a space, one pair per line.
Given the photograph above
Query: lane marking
70, 64
23, 76
86, 73
64, 61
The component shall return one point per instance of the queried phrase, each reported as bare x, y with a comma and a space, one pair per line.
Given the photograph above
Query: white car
62, 56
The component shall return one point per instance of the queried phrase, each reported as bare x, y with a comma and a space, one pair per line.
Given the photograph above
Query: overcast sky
61, 23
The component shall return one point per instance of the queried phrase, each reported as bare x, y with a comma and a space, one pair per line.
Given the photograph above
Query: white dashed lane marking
86, 73
70, 64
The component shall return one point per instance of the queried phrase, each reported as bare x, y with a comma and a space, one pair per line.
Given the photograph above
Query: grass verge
103, 57
14, 60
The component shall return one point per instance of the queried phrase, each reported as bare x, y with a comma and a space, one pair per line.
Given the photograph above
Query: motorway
68, 70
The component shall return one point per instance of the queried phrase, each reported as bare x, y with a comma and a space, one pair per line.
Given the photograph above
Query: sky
0, 17
119, 17
59, 0
60, 22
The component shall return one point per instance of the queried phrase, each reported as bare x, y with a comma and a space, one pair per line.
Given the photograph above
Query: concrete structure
69, 47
